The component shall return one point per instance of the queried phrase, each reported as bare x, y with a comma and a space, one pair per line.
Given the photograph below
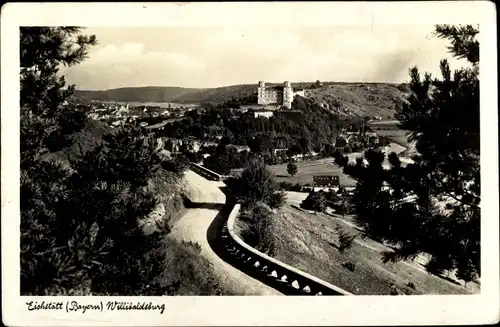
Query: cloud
129, 64
216, 56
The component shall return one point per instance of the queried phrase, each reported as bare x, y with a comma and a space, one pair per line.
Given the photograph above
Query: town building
266, 114
326, 180
280, 95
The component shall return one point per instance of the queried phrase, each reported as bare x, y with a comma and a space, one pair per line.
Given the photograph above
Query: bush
349, 265
315, 201
290, 187
410, 285
193, 275
345, 239
256, 183
259, 228
277, 199
292, 169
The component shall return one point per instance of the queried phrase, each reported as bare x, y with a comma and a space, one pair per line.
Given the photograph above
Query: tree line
312, 128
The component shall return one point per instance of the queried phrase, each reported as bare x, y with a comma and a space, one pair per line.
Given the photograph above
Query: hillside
359, 99
309, 242
136, 94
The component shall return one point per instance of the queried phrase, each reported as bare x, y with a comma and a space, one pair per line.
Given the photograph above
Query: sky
204, 57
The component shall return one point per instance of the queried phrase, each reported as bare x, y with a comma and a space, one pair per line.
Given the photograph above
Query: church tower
287, 95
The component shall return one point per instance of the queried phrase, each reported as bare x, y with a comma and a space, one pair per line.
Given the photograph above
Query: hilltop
358, 99
169, 94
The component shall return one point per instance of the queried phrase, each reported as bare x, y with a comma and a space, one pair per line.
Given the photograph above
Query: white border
355, 310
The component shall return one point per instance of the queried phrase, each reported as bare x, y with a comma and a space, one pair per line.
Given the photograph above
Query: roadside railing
293, 280
277, 274
207, 173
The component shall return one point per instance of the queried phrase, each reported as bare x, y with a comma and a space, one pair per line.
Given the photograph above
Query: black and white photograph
242, 160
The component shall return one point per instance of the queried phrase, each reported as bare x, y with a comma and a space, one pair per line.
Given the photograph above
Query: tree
344, 207
82, 216
256, 183
223, 160
345, 239
340, 142
433, 204
292, 169
315, 201
43, 50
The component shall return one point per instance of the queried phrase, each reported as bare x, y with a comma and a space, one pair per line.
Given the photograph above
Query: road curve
197, 225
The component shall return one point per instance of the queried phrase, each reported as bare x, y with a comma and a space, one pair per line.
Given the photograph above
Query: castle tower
287, 95
261, 90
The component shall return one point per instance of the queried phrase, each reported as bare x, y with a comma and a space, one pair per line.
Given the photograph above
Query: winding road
201, 224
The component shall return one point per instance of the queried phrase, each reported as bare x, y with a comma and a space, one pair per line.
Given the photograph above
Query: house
326, 181
265, 114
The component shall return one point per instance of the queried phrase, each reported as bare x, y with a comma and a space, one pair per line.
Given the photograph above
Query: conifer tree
432, 205
81, 218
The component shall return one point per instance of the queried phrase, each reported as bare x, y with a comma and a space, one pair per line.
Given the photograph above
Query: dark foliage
84, 201
432, 205
317, 126
259, 228
256, 184
315, 201
345, 239
349, 265
292, 169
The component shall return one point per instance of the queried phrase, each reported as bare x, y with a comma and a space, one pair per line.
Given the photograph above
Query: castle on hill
277, 95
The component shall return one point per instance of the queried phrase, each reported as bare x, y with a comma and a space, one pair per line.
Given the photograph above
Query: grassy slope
358, 98
304, 241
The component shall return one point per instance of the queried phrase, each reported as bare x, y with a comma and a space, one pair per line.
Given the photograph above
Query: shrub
345, 239
256, 183
349, 265
277, 199
193, 275
315, 201
292, 169
259, 228
410, 285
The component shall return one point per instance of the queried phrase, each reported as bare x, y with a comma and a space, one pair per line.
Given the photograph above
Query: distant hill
136, 94
360, 99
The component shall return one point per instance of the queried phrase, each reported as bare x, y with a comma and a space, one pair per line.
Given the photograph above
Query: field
309, 168
306, 241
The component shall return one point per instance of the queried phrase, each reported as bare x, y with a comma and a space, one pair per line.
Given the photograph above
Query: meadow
308, 168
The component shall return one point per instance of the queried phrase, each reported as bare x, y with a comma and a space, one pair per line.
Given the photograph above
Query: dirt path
197, 225
201, 190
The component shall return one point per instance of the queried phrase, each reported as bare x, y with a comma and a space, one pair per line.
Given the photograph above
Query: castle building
277, 95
